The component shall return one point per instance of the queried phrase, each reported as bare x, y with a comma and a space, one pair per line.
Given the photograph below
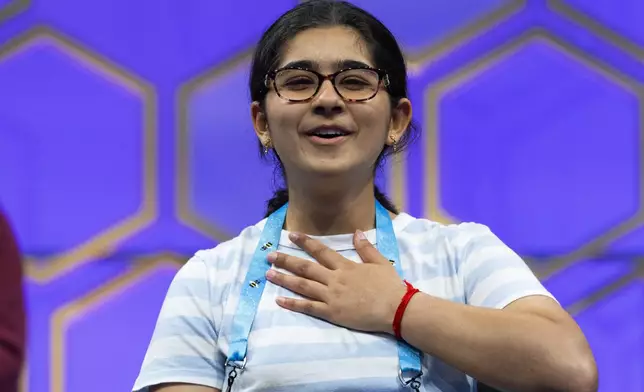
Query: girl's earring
268, 142
267, 146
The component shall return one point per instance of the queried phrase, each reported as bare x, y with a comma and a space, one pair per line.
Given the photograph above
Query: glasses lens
352, 84
296, 84
357, 84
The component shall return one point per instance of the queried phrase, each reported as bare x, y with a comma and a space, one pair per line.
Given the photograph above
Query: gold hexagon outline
609, 289
12, 9
101, 242
432, 119
183, 206
596, 27
417, 60
63, 318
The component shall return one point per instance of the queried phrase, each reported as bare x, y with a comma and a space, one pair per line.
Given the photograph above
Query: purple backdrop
126, 145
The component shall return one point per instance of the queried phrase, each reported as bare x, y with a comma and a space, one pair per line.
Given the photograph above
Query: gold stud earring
395, 143
268, 142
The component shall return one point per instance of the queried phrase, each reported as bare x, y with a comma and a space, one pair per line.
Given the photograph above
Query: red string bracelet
411, 290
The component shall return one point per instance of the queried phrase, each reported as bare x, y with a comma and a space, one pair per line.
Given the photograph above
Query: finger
320, 252
312, 308
300, 267
307, 288
368, 253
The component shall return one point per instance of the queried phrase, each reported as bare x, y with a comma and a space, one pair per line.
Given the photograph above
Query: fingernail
294, 236
360, 235
272, 257
270, 274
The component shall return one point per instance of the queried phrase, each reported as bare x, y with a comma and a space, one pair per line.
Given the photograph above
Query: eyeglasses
300, 84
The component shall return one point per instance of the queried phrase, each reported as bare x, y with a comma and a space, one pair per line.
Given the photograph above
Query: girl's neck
331, 211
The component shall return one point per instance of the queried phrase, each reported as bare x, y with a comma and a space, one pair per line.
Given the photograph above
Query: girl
336, 290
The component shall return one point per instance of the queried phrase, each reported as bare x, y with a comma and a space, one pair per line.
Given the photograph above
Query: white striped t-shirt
288, 351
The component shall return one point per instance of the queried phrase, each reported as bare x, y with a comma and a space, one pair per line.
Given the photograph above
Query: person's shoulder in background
12, 312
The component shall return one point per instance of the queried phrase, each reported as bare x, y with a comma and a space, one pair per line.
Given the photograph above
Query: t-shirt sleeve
183, 348
493, 275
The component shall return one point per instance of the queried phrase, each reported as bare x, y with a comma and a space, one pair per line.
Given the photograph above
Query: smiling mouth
328, 134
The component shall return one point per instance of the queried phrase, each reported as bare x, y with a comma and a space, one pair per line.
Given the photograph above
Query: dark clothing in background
12, 311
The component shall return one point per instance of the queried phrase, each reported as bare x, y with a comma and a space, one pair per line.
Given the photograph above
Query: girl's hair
381, 43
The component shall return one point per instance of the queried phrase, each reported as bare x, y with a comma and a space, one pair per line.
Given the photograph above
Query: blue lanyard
251, 293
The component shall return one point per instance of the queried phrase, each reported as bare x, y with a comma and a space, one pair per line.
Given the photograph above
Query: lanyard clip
412, 382
236, 365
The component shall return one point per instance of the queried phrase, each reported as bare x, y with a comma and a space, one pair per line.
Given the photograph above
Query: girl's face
366, 127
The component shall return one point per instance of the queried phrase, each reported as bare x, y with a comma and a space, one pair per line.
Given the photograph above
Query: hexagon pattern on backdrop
121, 121
10, 8
422, 26
176, 40
530, 174
215, 132
123, 307
81, 131
624, 20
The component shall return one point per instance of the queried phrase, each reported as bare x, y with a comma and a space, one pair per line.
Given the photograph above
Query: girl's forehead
326, 48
